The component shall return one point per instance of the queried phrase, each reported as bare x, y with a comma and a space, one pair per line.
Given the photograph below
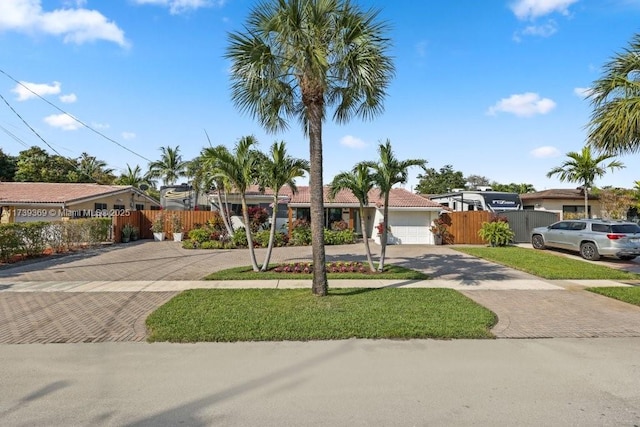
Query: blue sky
493, 87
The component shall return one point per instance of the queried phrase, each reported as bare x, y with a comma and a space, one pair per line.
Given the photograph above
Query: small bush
261, 238
300, 233
343, 237
239, 238
199, 235
496, 233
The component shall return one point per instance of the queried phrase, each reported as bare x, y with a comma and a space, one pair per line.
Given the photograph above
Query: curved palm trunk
252, 253
223, 214
272, 233
319, 284
383, 243
365, 237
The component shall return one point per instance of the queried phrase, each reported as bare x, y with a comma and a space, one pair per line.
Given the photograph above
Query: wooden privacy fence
463, 226
144, 219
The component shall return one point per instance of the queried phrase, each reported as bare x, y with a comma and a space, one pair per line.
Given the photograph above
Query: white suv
591, 238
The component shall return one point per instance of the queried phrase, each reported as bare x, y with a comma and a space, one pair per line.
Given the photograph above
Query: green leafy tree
359, 181
276, 170
387, 172
36, 165
475, 181
239, 168
441, 181
170, 167
134, 177
297, 58
615, 98
8, 166
522, 188
90, 169
584, 168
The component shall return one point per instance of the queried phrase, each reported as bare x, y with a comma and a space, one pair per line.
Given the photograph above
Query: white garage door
410, 227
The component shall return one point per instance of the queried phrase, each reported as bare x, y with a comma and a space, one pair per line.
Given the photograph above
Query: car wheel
627, 257
537, 242
589, 251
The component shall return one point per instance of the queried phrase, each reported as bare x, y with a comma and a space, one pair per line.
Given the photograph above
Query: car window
578, 226
602, 228
625, 228
564, 225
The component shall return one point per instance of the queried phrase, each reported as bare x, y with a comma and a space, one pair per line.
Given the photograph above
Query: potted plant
176, 227
157, 227
439, 231
127, 230
135, 233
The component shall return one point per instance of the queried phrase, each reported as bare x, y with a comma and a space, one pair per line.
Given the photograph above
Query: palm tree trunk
383, 243
223, 214
365, 237
586, 202
272, 233
319, 284
247, 227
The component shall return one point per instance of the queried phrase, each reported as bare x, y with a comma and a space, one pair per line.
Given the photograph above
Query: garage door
410, 227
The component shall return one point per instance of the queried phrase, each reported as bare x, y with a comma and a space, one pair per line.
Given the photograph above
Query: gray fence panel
522, 222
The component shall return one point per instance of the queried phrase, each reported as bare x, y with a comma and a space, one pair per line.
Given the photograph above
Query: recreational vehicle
467, 200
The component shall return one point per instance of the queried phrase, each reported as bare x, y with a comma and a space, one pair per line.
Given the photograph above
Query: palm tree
134, 177
210, 158
299, 57
277, 170
615, 98
388, 172
170, 167
359, 181
584, 168
239, 168
91, 169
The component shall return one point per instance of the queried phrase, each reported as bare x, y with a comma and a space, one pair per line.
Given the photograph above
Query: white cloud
583, 92
523, 105
532, 9
68, 99
352, 142
545, 151
128, 135
74, 25
28, 90
545, 30
99, 126
62, 121
179, 6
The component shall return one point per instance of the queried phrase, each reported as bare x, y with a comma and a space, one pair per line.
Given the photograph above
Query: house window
119, 207
100, 206
139, 207
574, 209
332, 215
155, 208
303, 213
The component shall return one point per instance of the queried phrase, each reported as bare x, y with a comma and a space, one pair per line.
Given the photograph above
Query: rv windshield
502, 201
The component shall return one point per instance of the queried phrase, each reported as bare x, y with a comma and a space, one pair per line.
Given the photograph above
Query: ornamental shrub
496, 233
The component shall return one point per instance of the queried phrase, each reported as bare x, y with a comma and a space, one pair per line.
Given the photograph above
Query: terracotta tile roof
557, 193
398, 198
47, 192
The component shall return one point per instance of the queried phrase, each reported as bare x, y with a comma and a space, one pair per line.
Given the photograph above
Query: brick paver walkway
69, 317
558, 314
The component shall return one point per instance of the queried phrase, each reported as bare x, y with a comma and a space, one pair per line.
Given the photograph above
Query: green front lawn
546, 264
295, 314
630, 295
391, 272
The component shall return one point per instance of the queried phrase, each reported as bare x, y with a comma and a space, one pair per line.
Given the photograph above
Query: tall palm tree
134, 177
279, 169
170, 167
239, 168
615, 98
359, 181
387, 172
211, 158
584, 168
94, 170
296, 59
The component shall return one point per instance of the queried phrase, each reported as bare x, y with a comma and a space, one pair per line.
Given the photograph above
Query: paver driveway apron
121, 285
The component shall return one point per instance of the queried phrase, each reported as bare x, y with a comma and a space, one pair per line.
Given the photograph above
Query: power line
72, 116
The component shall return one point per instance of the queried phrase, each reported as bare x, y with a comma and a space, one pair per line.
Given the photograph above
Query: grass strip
391, 272
228, 315
546, 264
626, 294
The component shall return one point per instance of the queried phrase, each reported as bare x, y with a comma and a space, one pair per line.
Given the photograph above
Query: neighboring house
566, 202
410, 215
44, 201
